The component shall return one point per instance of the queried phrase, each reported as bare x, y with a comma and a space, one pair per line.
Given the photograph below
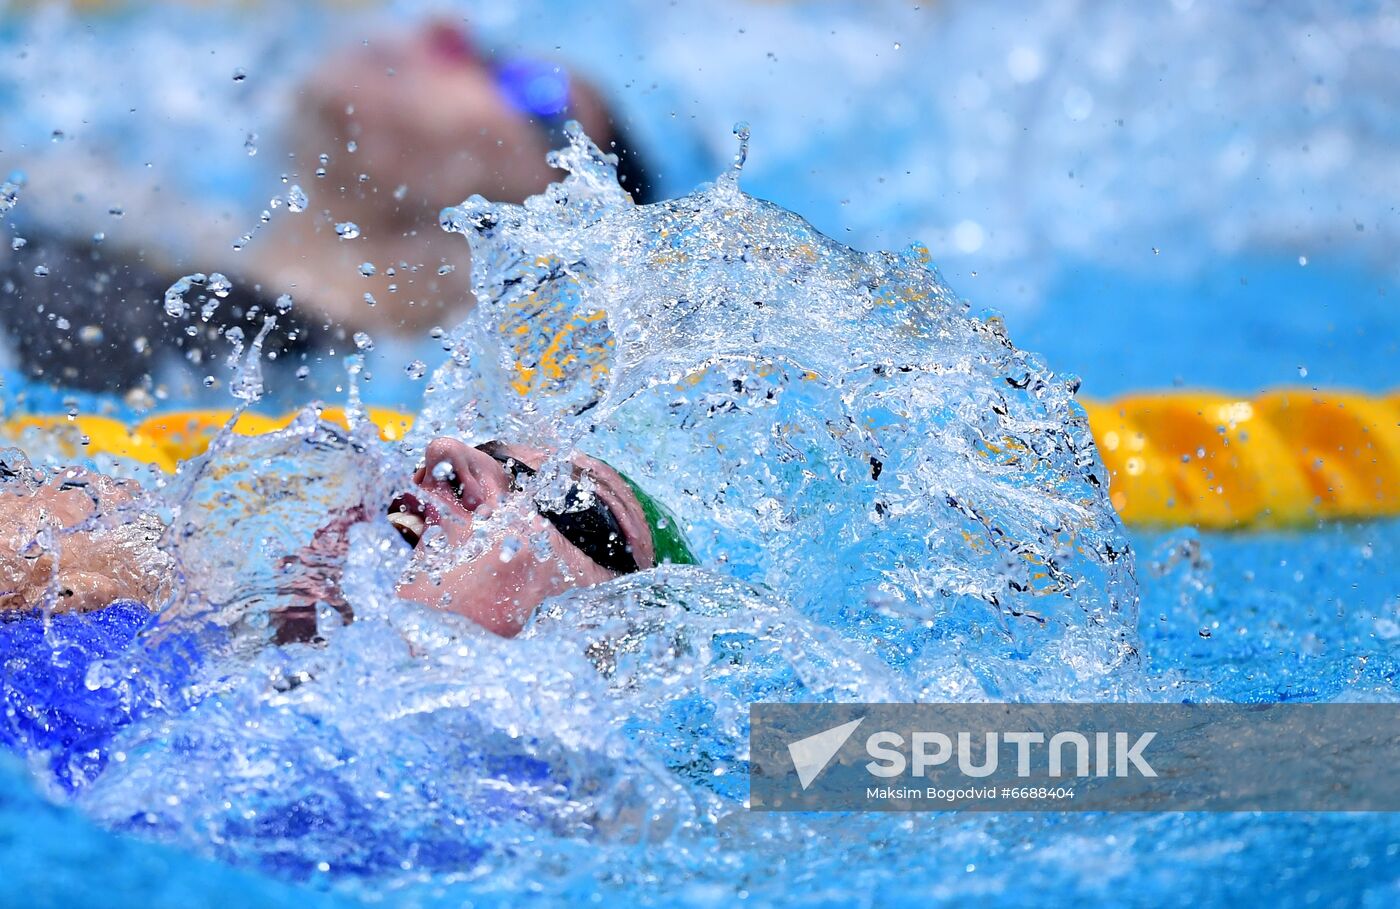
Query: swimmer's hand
56, 553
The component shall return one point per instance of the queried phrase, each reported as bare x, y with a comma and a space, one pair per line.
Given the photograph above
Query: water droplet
296, 199
416, 369
239, 74
250, 144
90, 334
41, 271
117, 211
369, 299
367, 269
284, 303
741, 132
210, 381
219, 285
1302, 372
303, 371
1303, 261
363, 341
18, 243
347, 230
352, 146
400, 192
9, 195
175, 305
446, 269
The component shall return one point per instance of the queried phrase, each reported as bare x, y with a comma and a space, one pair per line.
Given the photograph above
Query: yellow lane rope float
1280, 458
1276, 459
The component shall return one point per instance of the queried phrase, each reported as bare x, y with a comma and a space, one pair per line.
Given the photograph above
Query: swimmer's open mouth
409, 517
443, 493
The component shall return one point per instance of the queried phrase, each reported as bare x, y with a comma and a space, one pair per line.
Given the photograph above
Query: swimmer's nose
470, 476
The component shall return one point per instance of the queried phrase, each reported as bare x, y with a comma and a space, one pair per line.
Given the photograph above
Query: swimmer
431, 119
604, 527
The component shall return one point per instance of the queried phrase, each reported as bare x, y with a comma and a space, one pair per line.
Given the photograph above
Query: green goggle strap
666, 536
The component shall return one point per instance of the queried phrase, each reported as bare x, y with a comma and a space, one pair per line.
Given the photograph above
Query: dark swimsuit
50, 317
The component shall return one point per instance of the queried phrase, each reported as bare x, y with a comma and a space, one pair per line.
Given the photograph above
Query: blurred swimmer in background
397, 128
432, 120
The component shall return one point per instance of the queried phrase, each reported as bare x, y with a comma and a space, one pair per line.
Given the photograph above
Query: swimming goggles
540, 90
537, 88
585, 520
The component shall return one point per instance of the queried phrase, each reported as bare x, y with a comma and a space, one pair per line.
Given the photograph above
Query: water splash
247, 384
830, 424
888, 499
731, 177
175, 305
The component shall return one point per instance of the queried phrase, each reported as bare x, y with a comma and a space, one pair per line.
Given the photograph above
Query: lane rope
1281, 458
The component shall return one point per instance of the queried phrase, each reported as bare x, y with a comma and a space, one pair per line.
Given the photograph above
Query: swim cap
666, 536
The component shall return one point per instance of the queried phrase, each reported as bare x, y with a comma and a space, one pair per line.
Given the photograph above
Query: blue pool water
425, 765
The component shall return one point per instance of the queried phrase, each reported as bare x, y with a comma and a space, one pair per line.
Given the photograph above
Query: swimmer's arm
312, 577
50, 558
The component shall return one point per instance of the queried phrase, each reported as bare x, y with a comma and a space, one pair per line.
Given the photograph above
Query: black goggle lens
593, 528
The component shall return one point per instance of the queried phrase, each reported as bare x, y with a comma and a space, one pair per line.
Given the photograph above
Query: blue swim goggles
537, 88
540, 89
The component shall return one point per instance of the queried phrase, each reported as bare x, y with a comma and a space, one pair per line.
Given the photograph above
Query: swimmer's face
425, 112
484, 550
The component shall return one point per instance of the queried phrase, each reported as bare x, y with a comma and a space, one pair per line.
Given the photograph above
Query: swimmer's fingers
65, 501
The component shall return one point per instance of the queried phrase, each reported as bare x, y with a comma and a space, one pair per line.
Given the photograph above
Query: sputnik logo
811, 755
